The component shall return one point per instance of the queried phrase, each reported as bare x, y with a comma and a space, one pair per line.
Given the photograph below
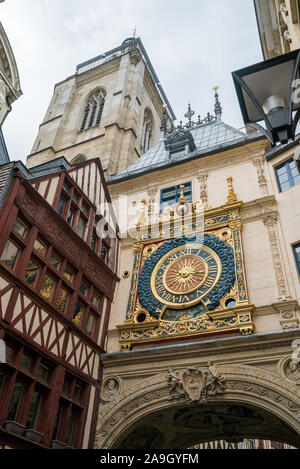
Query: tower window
147, 130
93, 110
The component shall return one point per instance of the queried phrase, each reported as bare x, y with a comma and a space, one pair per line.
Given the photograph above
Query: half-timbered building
58, 258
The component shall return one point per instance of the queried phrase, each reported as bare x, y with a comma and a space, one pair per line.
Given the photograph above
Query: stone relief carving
202, 178
270, 218
290, 369
195, 384
182, 387
111, 388
259, 162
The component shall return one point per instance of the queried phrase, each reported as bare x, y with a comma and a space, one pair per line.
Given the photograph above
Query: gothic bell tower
110, 108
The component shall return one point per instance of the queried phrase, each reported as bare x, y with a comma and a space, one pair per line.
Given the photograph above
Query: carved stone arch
78, 159
92, 109
147, 129
246, 387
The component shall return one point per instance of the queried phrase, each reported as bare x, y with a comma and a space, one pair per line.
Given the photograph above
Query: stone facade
150, 406
279, 26
131, 92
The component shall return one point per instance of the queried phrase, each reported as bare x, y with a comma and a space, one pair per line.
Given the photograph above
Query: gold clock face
185, 275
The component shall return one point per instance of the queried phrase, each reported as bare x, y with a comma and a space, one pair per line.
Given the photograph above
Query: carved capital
288, 313
270, 217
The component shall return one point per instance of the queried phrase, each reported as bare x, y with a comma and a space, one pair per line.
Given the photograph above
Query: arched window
147, 130
93, 110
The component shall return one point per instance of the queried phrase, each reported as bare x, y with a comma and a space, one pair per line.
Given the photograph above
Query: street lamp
270, 91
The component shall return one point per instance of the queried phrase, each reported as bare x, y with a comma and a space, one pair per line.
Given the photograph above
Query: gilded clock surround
155, 316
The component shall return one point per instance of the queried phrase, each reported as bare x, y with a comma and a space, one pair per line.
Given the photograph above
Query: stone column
259, 161
270, 218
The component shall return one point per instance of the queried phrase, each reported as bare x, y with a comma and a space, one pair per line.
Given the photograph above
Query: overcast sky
193, 45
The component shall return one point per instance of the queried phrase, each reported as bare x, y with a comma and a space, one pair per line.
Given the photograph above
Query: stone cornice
207, 348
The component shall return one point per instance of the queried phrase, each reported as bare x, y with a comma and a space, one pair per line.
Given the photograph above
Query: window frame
297, 261
177, 195
285, 164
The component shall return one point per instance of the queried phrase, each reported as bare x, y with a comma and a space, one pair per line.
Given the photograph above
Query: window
147, 130
10, 255
73, 208
47, 288
93, 110
61, 205
69, 411
32, 273
287, 175
29, 397
78, 312
34, 410
15, 401
171, 196
20, 228
297, 255
176, 153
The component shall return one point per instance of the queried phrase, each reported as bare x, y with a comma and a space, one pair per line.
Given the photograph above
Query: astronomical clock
188, 277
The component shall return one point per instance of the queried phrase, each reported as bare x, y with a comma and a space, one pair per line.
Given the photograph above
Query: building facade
279, 26
203, 350
57, 280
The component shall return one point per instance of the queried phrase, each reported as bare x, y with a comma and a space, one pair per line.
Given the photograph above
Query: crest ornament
196, 385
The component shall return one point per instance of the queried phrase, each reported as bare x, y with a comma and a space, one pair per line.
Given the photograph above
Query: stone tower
110, 108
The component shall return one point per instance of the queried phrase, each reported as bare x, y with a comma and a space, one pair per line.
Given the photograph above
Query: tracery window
93, 110
147, 130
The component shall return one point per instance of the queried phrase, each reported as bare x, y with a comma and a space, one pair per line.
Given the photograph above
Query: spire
218, 107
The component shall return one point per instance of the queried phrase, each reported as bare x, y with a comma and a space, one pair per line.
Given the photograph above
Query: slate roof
209, 138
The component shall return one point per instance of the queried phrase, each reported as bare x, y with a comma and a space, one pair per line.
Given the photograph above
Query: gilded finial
182, 199
231, 194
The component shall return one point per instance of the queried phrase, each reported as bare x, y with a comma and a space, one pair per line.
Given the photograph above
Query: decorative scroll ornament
196, 385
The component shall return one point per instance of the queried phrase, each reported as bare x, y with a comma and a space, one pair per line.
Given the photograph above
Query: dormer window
177, 153
180, 142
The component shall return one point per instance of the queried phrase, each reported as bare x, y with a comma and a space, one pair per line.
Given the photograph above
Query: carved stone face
193, 381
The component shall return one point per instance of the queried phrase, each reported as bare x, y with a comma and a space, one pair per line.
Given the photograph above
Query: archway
240, 402
183, 427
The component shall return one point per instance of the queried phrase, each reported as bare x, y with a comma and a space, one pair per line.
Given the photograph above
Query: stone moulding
237, 383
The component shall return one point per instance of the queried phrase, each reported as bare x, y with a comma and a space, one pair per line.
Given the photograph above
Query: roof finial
189, 114
218, 107
134, 32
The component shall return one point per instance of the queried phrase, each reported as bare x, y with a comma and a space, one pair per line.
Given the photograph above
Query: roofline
271, 154
167, 164
148, 61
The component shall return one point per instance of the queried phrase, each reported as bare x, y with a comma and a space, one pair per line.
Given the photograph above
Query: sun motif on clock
185, 274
